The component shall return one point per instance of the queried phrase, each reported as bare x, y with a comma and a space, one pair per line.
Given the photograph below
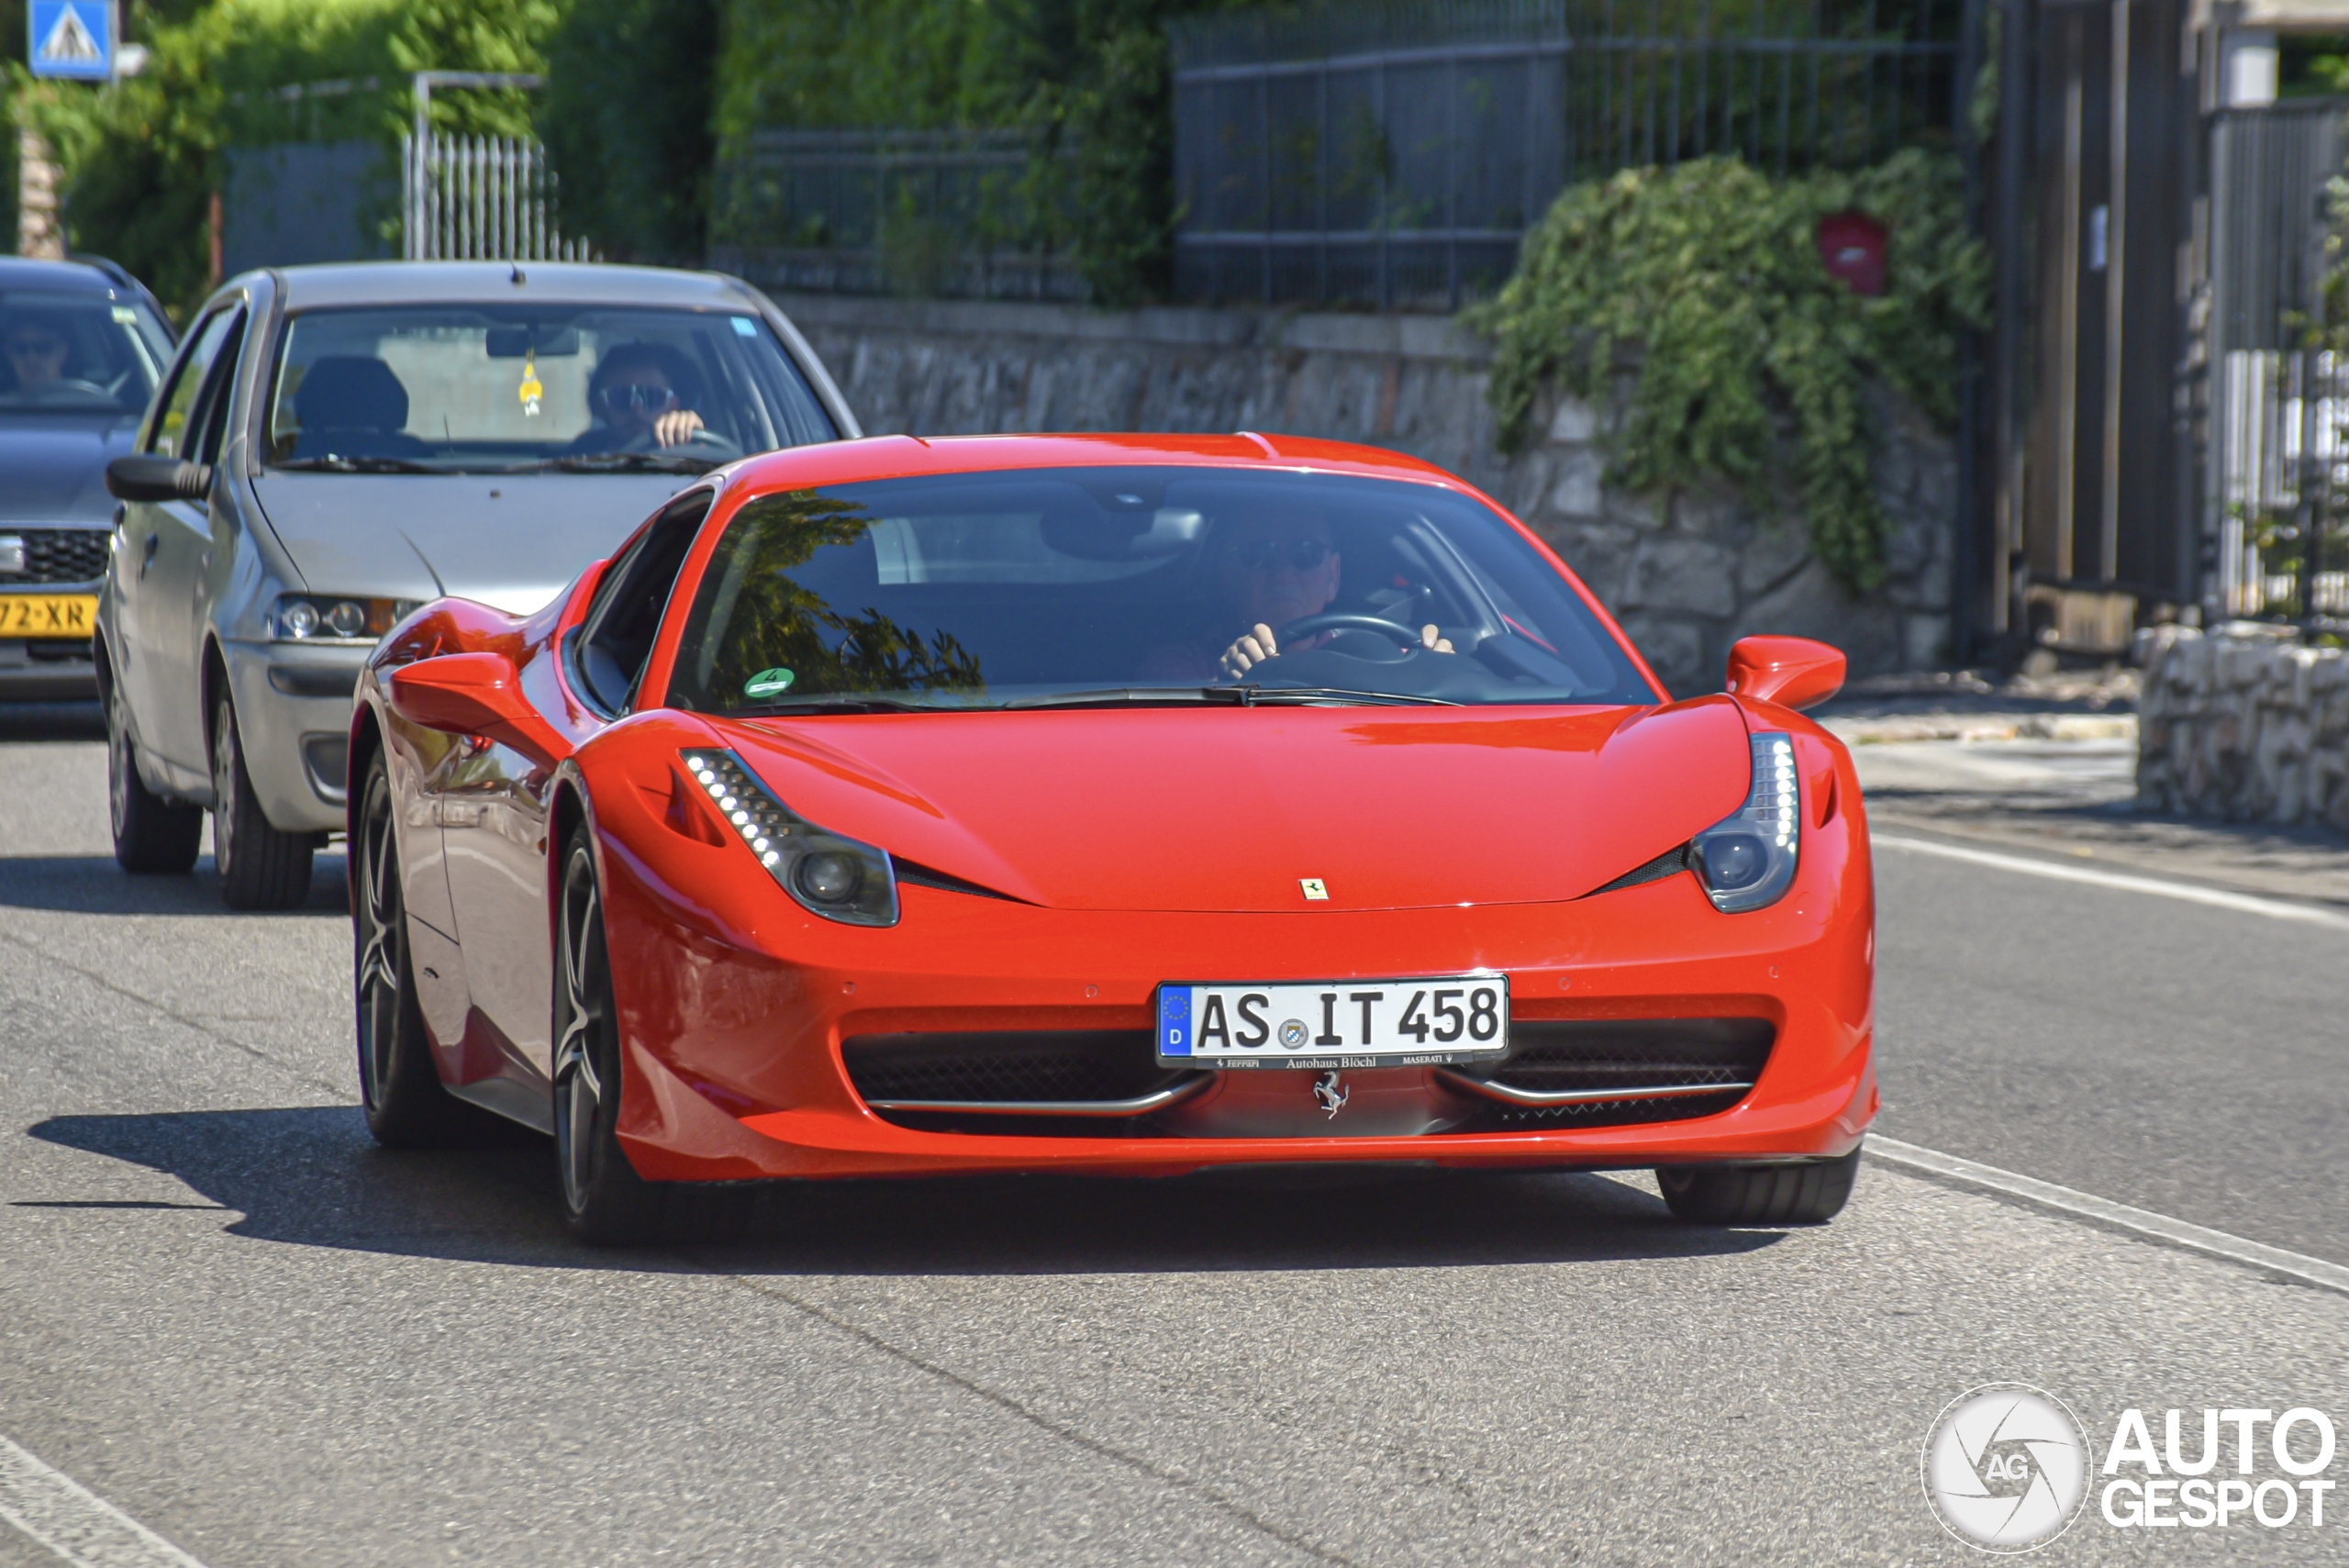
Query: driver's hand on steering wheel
675, 427
1256, 644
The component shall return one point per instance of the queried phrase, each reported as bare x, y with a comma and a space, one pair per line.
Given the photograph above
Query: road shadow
310, 1176
94, 884
53, 721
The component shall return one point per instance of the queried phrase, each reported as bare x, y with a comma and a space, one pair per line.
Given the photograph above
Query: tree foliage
1753, 361
143, 157
626, 111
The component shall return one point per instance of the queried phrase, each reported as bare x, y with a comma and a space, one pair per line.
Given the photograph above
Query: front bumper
45, 669
734, 1027
293, 704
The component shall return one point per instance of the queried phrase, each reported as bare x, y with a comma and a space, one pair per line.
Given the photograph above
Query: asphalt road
227, 1314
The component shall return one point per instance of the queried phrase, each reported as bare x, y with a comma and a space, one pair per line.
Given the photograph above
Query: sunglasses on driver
1297, 554
642, 399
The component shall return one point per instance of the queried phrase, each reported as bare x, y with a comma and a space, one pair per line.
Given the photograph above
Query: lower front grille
58, 555
1095, 1083
1620, 1072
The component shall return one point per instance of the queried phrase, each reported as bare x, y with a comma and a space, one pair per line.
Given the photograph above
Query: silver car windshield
504, 389
84, 354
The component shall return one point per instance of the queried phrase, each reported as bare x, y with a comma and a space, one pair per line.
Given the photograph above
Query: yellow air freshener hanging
532, 389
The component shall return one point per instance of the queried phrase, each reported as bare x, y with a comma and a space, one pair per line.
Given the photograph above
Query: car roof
84, 276
479, 283
905, 456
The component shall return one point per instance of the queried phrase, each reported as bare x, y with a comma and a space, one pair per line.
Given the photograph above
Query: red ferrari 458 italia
1121, 805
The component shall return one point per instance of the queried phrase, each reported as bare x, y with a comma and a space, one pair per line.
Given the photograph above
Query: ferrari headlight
838, 878
1748, 860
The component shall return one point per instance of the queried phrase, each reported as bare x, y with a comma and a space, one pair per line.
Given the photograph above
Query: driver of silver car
35, 351
639, 397
1270, 568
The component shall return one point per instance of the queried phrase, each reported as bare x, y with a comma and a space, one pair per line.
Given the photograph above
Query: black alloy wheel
605, 1201
398, 1086
153, 834
1809, 1193
261, 867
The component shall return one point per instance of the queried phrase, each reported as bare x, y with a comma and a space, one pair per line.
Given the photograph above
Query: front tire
153, 835
604, 1202
399, 1088
261, 867
1810, 1194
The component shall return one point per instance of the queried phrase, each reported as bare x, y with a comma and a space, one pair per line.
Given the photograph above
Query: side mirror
474, 694
1793, 672
143, 476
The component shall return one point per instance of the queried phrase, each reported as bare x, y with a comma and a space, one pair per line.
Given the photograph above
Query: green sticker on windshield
768, 683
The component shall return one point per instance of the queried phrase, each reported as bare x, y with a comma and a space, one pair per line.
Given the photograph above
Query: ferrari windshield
85, 354
435, 388
1134, 586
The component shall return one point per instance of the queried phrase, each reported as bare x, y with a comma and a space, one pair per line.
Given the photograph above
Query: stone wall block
1669, 572
1577, 493
2248, 729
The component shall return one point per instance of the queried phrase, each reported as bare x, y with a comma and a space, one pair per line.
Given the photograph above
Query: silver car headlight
1748, 860
828, 875
328, 618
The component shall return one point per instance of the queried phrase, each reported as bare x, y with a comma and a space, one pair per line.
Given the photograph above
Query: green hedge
627, 112
1753, 361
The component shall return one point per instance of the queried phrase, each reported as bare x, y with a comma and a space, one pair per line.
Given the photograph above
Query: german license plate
1335, 1023
48, 615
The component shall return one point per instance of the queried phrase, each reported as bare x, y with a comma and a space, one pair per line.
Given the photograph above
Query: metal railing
480, 198
2277, 447
1395, 155
966, 214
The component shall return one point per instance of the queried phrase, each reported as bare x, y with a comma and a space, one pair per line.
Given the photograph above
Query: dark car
82, 346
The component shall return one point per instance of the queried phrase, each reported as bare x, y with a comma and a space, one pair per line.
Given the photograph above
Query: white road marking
2186, 892
2120, 1215
73, 1521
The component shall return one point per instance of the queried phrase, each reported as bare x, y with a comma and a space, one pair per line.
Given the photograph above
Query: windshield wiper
1245, 695
334, 464
837, 704
619, 462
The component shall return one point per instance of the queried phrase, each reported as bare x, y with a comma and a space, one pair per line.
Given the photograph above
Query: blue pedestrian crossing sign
73, 38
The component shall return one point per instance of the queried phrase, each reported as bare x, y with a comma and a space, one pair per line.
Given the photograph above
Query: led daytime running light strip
825, 873
1775, 803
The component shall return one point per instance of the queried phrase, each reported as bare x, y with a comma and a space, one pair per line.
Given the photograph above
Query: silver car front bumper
294, 722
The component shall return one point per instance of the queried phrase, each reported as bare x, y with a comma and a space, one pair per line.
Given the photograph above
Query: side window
211, 412
170, 437
616, 639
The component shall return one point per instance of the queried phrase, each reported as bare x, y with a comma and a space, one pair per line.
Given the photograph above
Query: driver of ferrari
1270, 568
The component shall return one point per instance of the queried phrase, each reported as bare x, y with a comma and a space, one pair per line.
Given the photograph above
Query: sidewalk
2048, 766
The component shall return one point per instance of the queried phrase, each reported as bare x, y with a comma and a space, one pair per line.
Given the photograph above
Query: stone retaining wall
1687, 574
2249, 729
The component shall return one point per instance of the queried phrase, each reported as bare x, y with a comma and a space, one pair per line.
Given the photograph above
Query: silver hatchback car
334, 445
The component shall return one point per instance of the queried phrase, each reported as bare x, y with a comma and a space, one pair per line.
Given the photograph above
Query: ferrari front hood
1235, 809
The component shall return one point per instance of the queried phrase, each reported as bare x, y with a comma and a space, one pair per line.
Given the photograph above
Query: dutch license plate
48, 615
1336, 1023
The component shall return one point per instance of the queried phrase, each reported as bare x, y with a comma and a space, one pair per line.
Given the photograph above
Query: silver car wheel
224, 786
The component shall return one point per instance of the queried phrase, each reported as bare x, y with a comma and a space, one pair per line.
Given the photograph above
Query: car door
163, 546
187, 531
492, 803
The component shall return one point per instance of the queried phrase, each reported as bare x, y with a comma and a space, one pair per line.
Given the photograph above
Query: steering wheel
1306, 626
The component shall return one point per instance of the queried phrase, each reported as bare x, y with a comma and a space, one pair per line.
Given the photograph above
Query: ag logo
2006, 1467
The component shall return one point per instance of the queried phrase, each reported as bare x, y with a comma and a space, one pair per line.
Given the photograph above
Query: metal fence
2276, 460
480, 198
1395, 156
967, 214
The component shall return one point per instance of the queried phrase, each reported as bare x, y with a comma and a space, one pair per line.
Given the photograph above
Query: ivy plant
1753, 361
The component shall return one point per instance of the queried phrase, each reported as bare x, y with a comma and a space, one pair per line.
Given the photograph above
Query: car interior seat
352, 405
